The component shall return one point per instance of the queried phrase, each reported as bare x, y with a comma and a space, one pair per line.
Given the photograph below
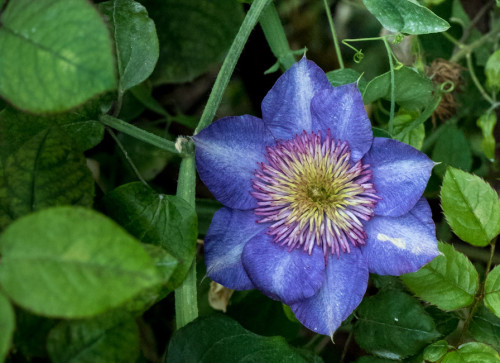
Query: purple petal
286, 109
343, 289
341, 110
400, 174
398, 245
280, 274
227, 153
229, 231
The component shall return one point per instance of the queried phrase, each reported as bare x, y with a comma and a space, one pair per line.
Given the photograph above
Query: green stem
334, 35
470, 66
467, 49
227, 68
186, 305
393, 88
479, 295
139, 134
275, 36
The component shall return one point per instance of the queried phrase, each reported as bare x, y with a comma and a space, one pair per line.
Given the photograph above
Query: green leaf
372, 359
472, 353
470, 206
406, 16
194, 35
18, 127
446, 322
343, 76
487, 123
452, 148
393, 325
413, 138
135, 39
485, 327
449, 281
492, 291
45, 171
72, 262
109, 338
378, 132
411, 98
436, 351
218, 338
7, 325
492, 71
53, 65
159, 219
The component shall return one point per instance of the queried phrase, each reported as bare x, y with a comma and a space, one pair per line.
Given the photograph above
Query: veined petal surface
229, 231
286, 109
342, 291
280, 274
400, 175
341, 110
227, 153
399, 245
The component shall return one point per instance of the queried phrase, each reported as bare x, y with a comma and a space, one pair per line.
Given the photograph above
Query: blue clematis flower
312, 201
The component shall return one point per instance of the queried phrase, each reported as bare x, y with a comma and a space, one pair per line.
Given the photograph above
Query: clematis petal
400, 174
341, 110
343, 289
227, 153
229, 231
280, 274
286, 109
398, 245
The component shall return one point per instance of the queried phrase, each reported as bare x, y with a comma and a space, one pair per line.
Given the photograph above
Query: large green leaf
472, 352
492, 291
159, 219
135, 39
415, 137
436, 351
56, 54
193, 34
113, 337
7, 325
406, 16
72, 262
220, 339
45, 171
470, 206
393, 325
449, 281
485, 327
452, 149
411, 98
343, 76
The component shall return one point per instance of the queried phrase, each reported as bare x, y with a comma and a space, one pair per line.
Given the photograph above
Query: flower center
314, 194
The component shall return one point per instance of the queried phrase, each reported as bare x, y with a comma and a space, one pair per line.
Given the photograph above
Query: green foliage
158, 219
485, 327
135, 40
406, 16
472, 353
393, 325
342, 76
53, 46
492, 71
470, 206
185, 55
220, 339
487, 124
44, 171
411, 98
436, 351
492, 291
415, 137
112, 337
452, 149
72, 262
7, 325
449, 281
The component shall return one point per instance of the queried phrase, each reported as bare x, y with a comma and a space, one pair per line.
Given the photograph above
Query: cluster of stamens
313, 194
